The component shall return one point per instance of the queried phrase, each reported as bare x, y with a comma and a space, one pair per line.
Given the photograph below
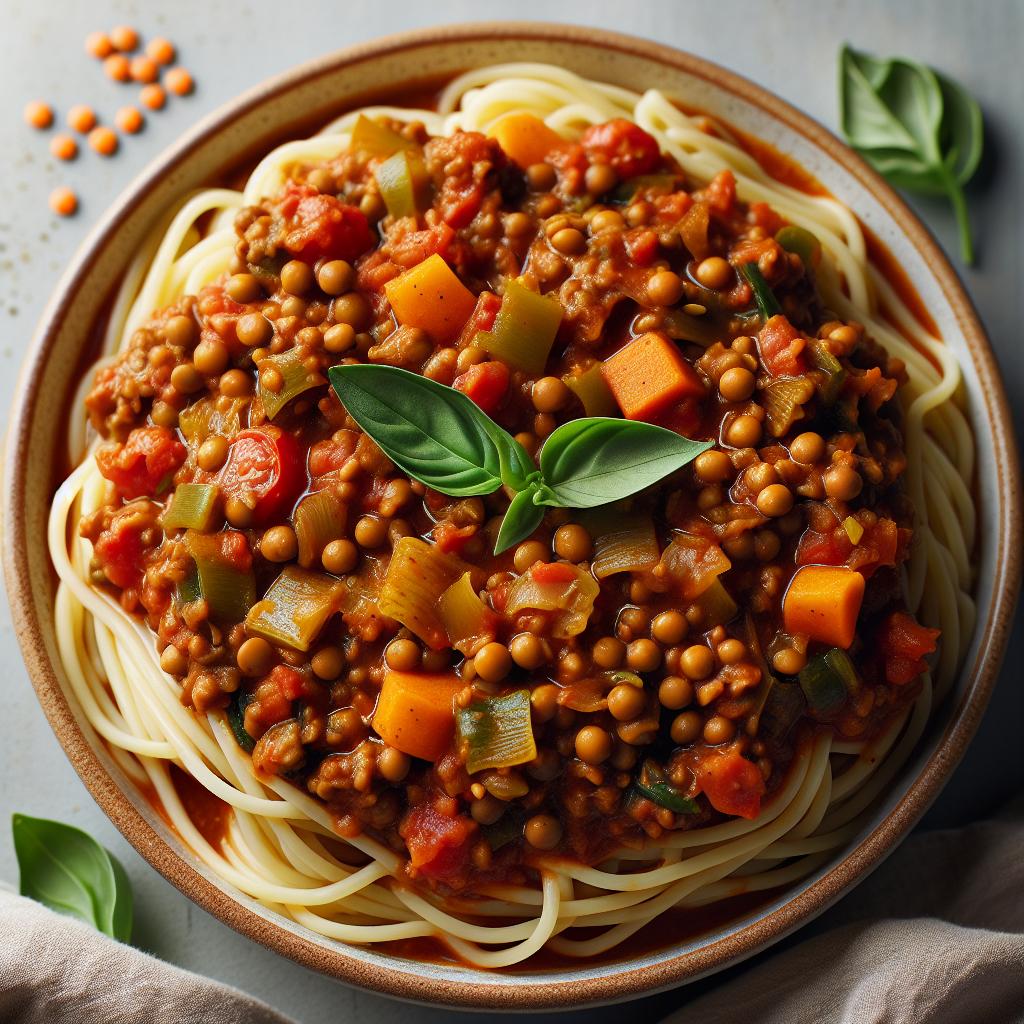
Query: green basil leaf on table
595, 460
920, 130
68, 871
521, 519
433, 433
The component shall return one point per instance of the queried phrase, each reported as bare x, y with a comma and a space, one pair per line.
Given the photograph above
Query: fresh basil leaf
433, 433
521, 519
963, 129
767, 305
917, 128
68, 871
593, 460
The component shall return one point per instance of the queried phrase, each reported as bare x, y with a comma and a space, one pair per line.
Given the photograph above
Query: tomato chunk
731, 783
485, 383
782, 348
323, 227
265, 470
120, 549
904, 642
624, 145
438, 844
554, 572
145, 464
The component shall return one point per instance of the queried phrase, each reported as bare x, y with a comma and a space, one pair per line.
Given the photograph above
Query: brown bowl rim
538, 994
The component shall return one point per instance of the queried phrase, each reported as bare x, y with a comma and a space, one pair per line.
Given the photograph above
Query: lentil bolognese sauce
675, 672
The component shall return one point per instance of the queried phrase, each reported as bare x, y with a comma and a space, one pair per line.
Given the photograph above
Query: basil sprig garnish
439, 436
917, 128
66, 870
767, 304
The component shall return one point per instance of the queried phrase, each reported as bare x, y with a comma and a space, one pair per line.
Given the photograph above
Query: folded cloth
935, 935
56, 970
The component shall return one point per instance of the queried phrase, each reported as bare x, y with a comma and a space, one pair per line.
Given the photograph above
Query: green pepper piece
767, 304
497, 731
802, 242
653, 783
192, 507
828, 680
524, 329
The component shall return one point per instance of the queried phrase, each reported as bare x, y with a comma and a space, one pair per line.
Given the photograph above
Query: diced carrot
782, 347
648, 375
823, 602
553, 572
430, 296
526, 139
414, 712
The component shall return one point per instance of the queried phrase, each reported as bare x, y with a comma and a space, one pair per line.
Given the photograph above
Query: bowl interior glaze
311, 94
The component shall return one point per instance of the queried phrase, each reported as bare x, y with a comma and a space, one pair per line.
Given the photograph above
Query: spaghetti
282, 846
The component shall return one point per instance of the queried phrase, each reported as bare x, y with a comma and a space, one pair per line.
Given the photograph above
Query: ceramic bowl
290, 105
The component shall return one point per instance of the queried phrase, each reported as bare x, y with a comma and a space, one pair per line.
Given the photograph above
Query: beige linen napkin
55, 970
935, 935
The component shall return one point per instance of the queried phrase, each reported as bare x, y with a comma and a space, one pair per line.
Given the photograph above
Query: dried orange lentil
124, 38
116, 66
98, 44
63, 147
179, 81
128, 120
103, 140
81, 118
161, 50
38, 114
143, 69
63, 201
153, 96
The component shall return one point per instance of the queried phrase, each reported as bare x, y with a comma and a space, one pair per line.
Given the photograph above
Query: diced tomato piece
624, 145
438, 844
782, 346
481, 319
642, 246
451, 539
731, 783
144, 466
234, 549
720, 193
265, 469
323, 227
120, 551
904, 642
288, 681
331, 454
553, 572
817, 548
416, 246
763, 216
877, 548
485, 383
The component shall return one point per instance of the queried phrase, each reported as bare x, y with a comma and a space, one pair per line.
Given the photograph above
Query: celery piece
229, 591
192, 507
295, 608
592, 390
318, 519
497, 732
369, 136
524, 329
835, 375
400, 179
297, 379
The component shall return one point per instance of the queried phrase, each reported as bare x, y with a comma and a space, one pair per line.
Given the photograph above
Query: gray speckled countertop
787, 45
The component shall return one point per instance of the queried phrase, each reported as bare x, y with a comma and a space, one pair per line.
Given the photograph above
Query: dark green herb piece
828, 680
68, 871
440, 437
917, 128
767, 305
236, 719
653, 783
